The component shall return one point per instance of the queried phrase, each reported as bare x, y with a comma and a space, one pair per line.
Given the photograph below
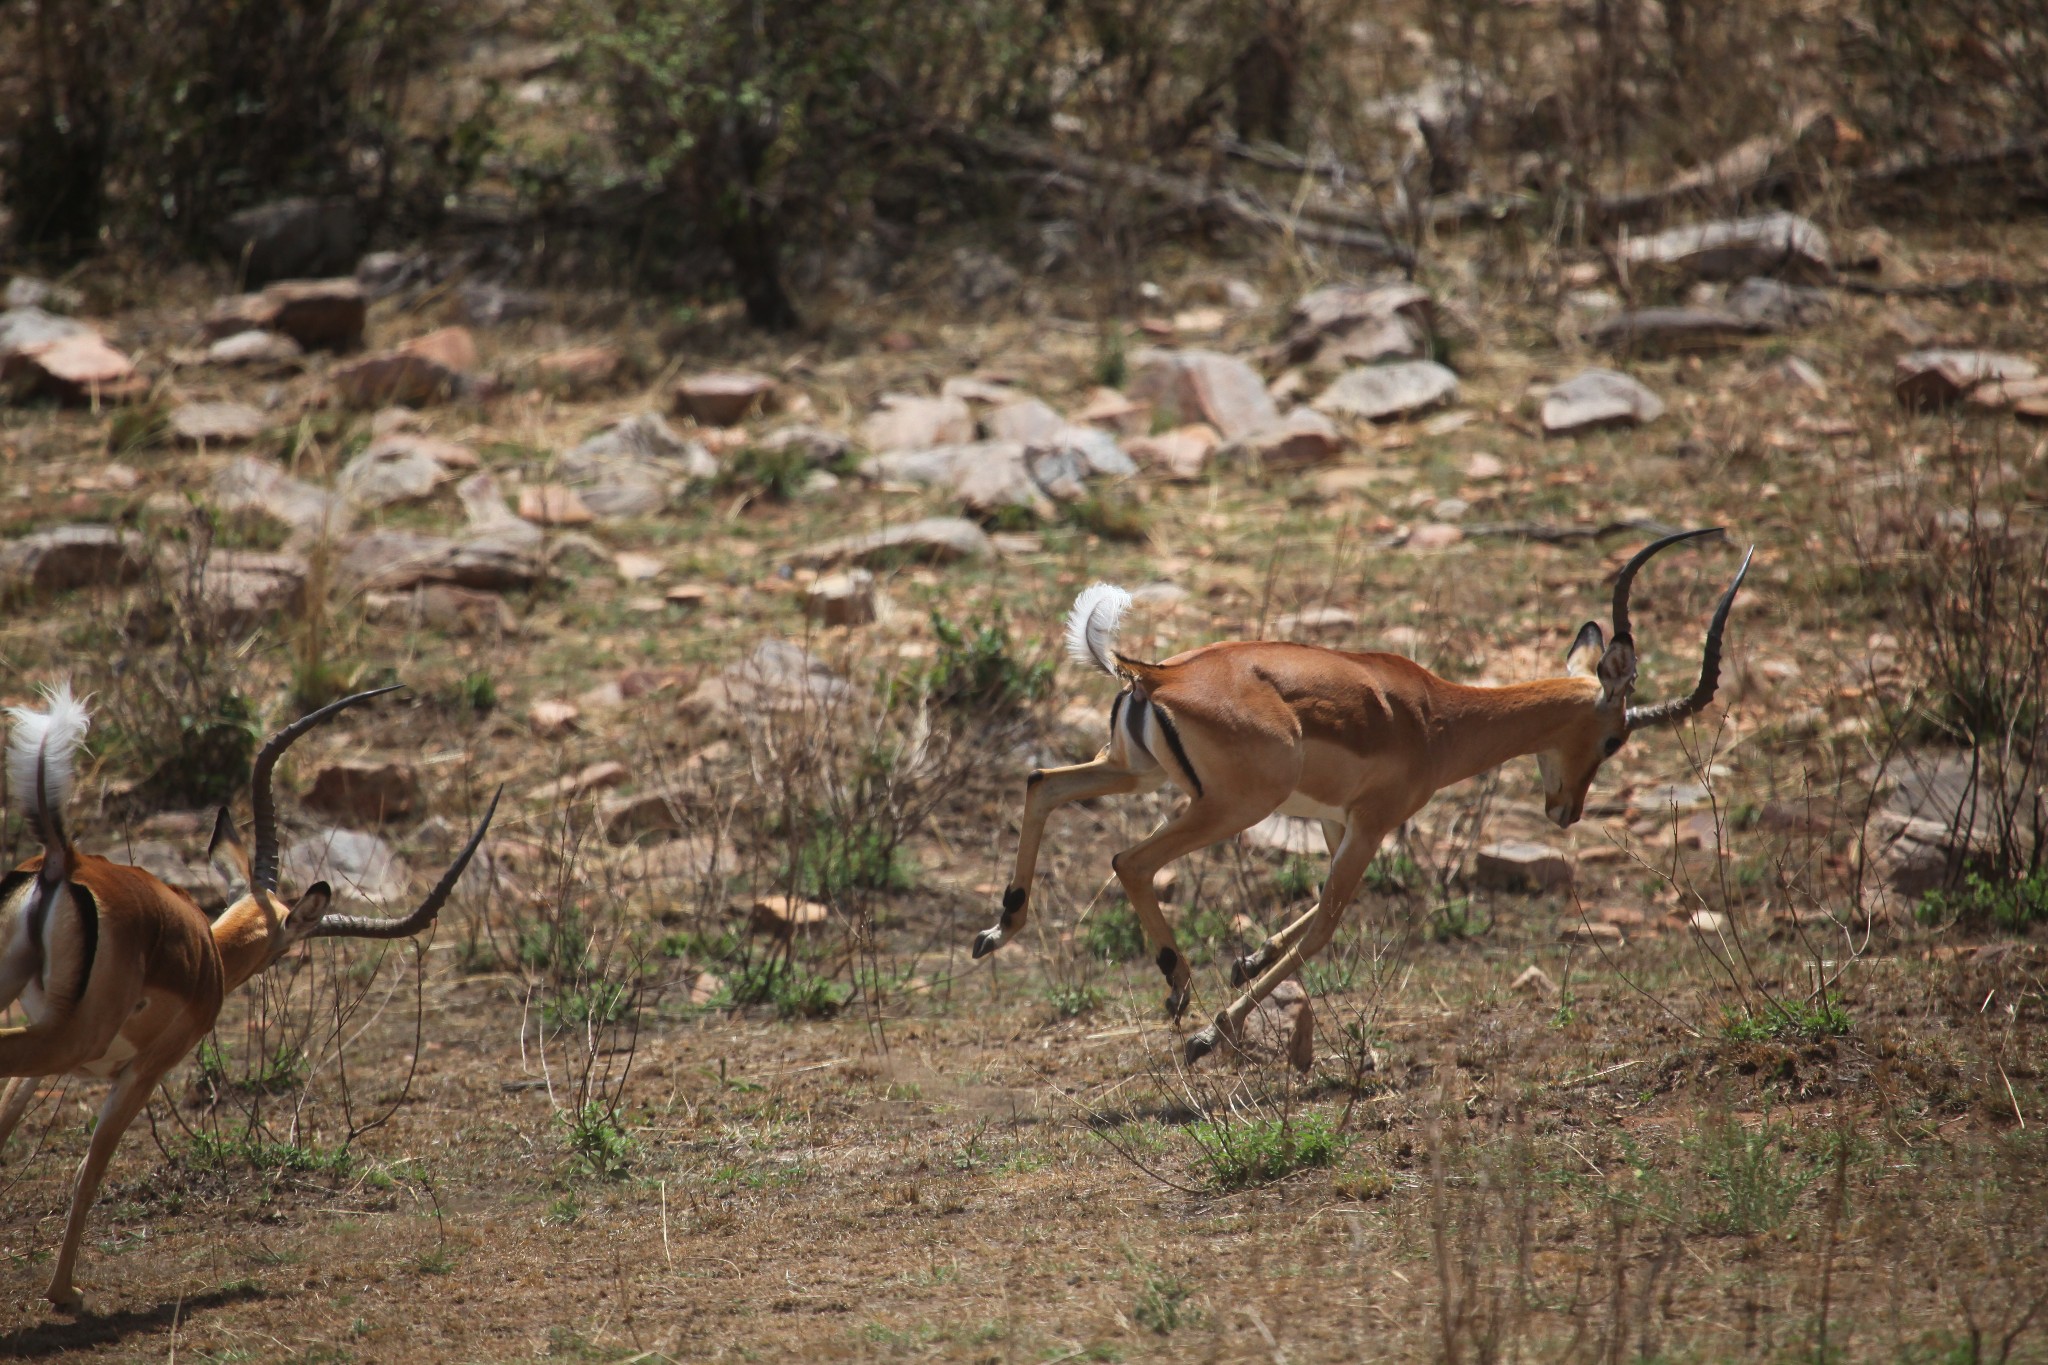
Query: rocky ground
760, 639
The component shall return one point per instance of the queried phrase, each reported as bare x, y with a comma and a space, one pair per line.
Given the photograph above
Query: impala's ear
1617, 673
226, 843
1584, 655
310, 908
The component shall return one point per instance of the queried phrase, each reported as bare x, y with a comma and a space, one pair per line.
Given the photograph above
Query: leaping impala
120, 975
1360, 742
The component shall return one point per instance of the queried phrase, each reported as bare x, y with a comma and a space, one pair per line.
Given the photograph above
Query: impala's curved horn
363, 926
1626, 579
263, 863
1677, 709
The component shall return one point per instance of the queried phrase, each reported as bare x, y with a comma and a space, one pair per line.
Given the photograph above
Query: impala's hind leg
1208, 819
1045, 791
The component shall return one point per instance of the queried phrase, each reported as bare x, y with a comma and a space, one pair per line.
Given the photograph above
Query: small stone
241, 589
1522, 866
1023, 421
1348, 324
1534, 980
65, 557
172, 865
594, 778
1181, 454
400, 468
552, 719
1381, 393
818, 445
79, 368
970, 388
628, 819
1434, 535
1316, 621
1937, 378
255, 348
1297, 441
1286, 834
1483, 468
203, 424
687, 595
723, 398
634, 567
1708, 921
580, 368
1207, 386
292, 239
939, 540
363, 791
452, 348
1599, 398
904, 422
394, 377
1782, 245
784, 917
777, 676
1108, 408
552, 504
846, 598
253, 485
317, 314
1592, 934
1664, 331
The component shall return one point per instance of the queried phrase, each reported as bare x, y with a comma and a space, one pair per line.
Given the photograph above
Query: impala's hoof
1202, 1044
1245, 968
66, 1297
1177, 1002
986, 942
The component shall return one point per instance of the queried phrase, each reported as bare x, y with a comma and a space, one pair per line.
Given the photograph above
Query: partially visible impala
1360, 742
120, 975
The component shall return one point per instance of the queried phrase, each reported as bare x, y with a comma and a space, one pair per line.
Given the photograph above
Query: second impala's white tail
1092, 626
42, 753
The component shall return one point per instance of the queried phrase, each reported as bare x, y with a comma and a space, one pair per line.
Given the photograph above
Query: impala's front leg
1045, 791
1347, 869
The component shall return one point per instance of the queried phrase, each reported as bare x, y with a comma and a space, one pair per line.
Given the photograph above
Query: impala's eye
1613, 745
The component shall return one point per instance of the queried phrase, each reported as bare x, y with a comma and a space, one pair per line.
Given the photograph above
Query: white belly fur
1308, 808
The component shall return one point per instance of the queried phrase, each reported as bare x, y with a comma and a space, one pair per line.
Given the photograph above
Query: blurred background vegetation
788, 153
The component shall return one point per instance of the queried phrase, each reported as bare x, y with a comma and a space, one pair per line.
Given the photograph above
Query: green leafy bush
978, 669
1242, 1153
1981, 902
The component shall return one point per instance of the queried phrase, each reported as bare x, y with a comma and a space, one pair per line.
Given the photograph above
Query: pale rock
1316, 621
1779, 304
241, 589
365, 791
65, 557
635, 466
970, 388
251, 485
1599, 398
1709, 921
1024, 421
1522, 866
359, 866
1189, 386
936, 540
552, 719
1181, 454
446, 608
1593, 933
172, 865
1159, 596
1381, 393
1302, 438
1664, 331
1286, 834
1242, 295
256, 348
217, 424
452, 348
1434, 535
634, 567
553, 504
778, 676
580, 368
77, 368
1534, 980
1346, 324
905, 422
485, 304
596, 777
1936, 378
395, 377
1483, 468
723, 398
846, 598
399, 468
1781, 245
819, 446
1108, 408
784, 917
391, 560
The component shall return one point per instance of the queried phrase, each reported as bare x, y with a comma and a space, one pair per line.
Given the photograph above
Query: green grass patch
1239, 1154
1980, 903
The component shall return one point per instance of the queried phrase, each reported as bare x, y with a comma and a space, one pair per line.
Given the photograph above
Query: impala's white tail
48, 740
1092, 626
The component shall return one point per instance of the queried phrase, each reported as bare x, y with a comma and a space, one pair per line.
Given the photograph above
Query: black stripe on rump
89, 930
1116, 713
1180, 753
1134, 722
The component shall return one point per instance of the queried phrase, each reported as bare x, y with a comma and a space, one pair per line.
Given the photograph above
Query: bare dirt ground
1752, 1110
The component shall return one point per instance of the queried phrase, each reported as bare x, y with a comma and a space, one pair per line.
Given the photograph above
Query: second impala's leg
124, 1102
1045, 791
21, 1092
1208, 819
1347, 869
1254, 962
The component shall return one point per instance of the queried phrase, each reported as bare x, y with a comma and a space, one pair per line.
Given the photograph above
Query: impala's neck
245, 937
1480, 728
